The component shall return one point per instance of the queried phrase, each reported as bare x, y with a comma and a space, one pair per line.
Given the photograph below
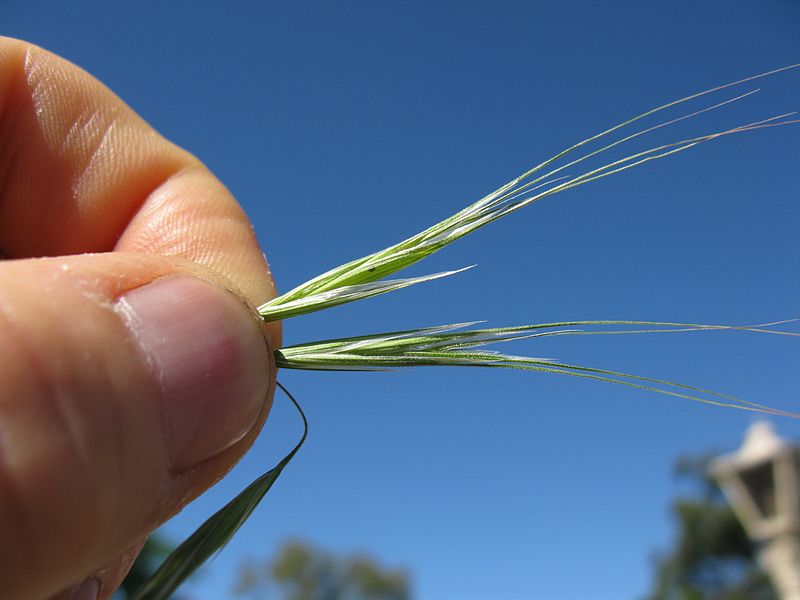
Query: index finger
82, 172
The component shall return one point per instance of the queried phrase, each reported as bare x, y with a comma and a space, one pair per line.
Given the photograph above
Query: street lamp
762, 484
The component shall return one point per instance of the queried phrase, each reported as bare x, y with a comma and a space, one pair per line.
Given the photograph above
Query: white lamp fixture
762, 485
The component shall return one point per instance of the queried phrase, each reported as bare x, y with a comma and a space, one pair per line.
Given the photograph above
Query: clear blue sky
341, 127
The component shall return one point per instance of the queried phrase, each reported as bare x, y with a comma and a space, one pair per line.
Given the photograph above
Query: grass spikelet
450, 347
340, 283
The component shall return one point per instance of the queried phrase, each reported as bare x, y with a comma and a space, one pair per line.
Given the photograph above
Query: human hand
131, 378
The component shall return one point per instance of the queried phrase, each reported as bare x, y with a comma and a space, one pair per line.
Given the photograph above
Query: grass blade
217, 531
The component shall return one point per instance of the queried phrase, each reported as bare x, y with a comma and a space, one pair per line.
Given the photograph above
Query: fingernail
210, 359
85, 591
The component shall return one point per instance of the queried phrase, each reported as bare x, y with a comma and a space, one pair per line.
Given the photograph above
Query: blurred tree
301, 572
712, 557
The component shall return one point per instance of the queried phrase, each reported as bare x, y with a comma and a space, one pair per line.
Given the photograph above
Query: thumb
128, 384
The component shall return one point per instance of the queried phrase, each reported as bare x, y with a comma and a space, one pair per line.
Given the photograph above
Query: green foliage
301, 572
712, 557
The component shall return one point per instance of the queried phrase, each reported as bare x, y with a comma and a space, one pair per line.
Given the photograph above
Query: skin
111, 206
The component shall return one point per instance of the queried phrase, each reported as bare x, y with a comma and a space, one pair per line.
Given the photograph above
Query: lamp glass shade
760, 483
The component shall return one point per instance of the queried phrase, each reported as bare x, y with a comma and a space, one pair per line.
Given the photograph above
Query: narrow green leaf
212, 535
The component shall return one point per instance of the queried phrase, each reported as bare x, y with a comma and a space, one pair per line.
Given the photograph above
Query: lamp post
762, 484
